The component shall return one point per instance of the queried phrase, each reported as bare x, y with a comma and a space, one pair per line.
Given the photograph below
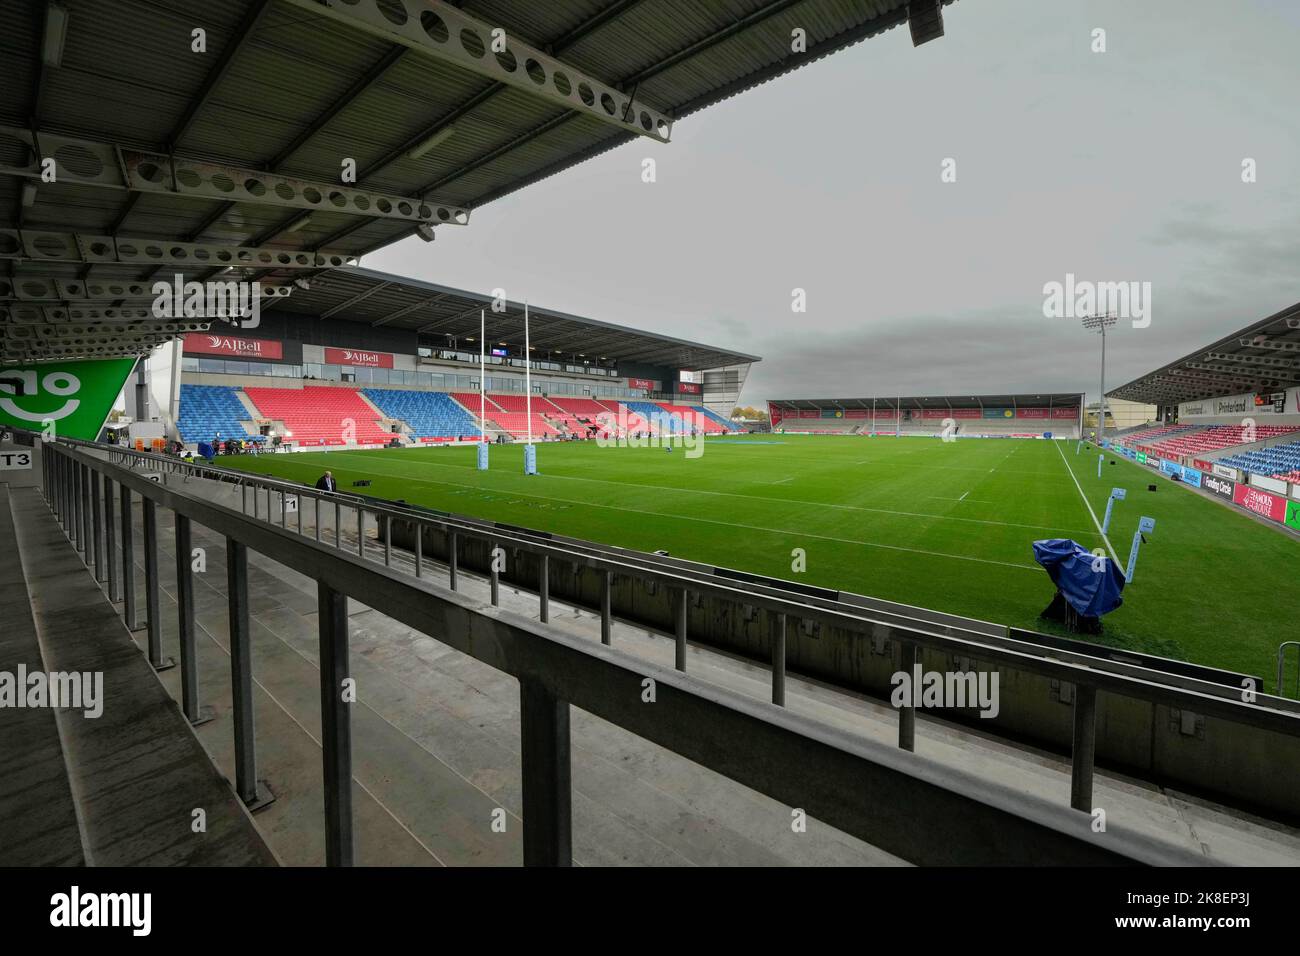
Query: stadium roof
380, 299
168, 159
1042, 400
1264, 357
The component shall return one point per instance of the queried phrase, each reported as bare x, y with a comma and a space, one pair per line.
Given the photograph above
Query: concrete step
138, 773
38, 819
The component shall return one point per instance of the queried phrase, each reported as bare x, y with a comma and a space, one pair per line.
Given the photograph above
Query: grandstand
452, 657
992, 416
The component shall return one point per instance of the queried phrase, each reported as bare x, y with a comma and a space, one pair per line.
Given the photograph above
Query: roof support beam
407, 310
359, 297
445, 33
42, 246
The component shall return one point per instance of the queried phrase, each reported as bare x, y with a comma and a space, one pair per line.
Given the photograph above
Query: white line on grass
723, 494
1109, 548
963, 496
728, 524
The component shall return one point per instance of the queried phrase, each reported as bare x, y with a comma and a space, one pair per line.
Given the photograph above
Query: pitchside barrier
1207, 731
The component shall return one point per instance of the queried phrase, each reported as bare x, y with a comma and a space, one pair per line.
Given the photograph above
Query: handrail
900, 802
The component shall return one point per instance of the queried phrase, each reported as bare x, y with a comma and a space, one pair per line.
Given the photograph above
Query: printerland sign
201, 343
358, 358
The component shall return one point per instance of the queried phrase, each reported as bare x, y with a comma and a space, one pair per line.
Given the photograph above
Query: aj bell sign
70, 399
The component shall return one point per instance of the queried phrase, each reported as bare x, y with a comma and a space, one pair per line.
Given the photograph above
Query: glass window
211, 365
189, 364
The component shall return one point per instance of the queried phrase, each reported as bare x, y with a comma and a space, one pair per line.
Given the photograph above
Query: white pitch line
963, 496
729, 524
1113, 555
690, 491
783, 480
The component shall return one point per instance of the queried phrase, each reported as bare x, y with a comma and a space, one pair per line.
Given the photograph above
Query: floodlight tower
1100, 323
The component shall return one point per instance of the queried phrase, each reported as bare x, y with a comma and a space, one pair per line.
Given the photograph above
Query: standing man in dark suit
326, 482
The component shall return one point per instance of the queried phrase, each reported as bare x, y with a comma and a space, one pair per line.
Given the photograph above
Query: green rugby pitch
942, 525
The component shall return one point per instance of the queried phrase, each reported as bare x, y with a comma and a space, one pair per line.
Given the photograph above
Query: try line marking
1109, 548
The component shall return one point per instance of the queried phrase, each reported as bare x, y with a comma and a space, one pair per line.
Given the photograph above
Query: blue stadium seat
429, 414
209, 410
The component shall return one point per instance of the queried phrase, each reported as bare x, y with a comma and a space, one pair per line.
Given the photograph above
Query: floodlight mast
1101, 323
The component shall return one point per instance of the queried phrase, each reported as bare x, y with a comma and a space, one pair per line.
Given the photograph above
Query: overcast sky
1116, 166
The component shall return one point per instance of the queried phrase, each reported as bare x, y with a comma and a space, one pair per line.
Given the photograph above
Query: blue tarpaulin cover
1091, 586
206, 450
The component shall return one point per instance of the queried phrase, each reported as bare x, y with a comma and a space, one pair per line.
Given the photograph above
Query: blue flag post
1145, 526
1116, 494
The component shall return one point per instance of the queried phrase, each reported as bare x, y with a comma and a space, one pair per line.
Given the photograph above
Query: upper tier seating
1148, 435
210, 410
320, 415
430, 415
1217, 437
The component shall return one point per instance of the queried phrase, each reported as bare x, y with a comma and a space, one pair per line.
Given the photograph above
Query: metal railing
1088, 675
898, 801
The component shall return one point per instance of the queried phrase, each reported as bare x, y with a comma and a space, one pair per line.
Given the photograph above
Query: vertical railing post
361, 532
96, 527
338, 524
129, 612
185, 616
419, 549
681, 609
79, 504
546, 765
908, 656
388, 540
544, 589
110, 541
153, 618
241, 676
778, 658
494, 576
1083, 747
316, 498
452, 559
606, 618
336, 725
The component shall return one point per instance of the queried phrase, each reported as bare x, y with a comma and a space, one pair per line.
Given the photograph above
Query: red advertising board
1033, 413
648, 384
358, 358
1260, 502
935, 413
965, 413
1202, 465
857, 413
201, 343
809, 413
689, 388
1070, 413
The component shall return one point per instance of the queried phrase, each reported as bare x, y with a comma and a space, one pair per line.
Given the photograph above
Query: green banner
1293, 514
71, 399
1142, 458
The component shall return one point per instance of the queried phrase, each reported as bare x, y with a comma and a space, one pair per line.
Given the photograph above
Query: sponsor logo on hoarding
688, 388
359, 358
203, 343
648, 384
1260, 502
1220, 486
71, 399
1293, 514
